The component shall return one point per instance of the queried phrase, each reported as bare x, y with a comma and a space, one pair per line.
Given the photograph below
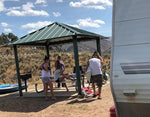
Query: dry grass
30, 59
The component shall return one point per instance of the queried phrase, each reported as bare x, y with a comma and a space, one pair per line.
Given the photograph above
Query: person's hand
53, 80
40, 67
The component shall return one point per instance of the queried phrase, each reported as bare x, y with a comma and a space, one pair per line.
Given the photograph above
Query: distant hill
89, 46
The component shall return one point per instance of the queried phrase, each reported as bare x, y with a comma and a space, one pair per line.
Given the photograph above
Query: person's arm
40, 67
56, 64
101, 59
61, 72
63, 67
87, 65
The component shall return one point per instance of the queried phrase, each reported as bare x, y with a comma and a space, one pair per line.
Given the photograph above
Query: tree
12, 37
6, 38
3, 39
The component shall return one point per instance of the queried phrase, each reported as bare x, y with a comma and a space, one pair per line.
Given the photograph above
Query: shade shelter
54, 34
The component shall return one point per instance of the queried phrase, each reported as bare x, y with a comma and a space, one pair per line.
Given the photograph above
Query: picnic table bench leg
25, 85
37, 89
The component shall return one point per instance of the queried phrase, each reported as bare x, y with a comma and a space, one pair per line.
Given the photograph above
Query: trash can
113, 111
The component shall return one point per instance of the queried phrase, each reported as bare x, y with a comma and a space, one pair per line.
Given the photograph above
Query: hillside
89, 46
30, 58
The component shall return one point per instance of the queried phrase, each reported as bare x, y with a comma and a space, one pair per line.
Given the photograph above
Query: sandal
99, 98
94, 95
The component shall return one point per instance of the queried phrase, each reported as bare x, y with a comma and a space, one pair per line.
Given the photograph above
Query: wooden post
47, 50
98, 46
76, 56
18, 70
48, 55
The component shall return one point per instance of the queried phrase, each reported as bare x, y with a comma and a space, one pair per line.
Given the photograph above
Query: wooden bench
36, 84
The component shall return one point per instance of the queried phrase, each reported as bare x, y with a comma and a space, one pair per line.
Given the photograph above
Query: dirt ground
65, 106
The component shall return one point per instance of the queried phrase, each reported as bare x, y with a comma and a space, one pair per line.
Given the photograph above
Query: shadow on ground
87, 100
31, 101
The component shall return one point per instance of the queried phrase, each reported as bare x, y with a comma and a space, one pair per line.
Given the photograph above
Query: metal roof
55, 33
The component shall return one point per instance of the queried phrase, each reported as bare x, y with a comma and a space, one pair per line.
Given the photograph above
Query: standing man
95, 64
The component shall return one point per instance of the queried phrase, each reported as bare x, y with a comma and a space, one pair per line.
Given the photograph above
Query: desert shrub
34, 57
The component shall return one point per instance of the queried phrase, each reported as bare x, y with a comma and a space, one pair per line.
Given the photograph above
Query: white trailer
130, 62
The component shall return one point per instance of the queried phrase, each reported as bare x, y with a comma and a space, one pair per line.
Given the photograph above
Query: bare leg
45, 90
93, 86
66, 87
61, 79
99, 91
66, 76
51, 89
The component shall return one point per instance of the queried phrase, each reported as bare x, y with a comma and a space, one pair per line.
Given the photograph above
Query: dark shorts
97, 79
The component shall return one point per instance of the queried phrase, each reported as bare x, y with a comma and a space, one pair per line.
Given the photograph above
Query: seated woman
62, 68
59, 75
46, 77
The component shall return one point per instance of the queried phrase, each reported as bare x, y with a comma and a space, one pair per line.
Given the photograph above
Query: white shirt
95, 66
57, 74
45, 73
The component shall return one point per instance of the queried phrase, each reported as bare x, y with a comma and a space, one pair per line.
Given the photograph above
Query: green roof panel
53, 32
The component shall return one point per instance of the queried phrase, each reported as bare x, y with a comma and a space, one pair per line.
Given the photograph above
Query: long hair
58, 65
96, 55
46, 58
59, 58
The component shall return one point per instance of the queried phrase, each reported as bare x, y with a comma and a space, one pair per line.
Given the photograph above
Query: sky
21, 17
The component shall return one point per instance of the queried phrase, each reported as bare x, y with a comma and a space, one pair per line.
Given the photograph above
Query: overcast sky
24, 16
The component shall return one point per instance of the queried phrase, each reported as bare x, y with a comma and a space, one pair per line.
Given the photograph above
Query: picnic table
72, 75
